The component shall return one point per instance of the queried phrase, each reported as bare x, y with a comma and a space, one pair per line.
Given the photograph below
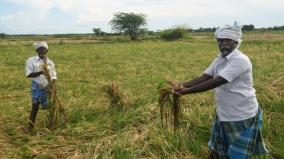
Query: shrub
173, 34
2, 35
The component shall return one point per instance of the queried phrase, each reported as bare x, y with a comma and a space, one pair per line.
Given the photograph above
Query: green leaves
128, 23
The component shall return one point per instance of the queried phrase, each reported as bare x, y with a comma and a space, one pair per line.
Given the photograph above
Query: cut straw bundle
117, 98
56, 111
169, 108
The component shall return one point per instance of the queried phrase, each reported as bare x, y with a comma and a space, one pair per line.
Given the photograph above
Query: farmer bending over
236, 131
34, 70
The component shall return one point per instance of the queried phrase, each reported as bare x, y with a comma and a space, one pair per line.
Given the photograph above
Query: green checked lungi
239, 139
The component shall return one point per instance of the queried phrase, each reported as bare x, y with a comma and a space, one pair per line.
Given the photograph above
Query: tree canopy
128, 23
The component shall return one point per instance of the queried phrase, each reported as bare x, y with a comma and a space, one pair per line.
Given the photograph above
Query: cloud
84, 14
4, 18
11, 17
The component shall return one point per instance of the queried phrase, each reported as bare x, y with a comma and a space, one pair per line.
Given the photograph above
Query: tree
128, 23
98, 31
201, 29
248, 27
2, 35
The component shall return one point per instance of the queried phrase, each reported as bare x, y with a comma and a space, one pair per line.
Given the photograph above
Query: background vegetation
95, 130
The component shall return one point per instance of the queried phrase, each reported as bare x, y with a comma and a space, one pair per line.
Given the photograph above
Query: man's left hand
176, 93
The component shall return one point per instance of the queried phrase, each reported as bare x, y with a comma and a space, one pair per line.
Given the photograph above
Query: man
34, 70
236, 130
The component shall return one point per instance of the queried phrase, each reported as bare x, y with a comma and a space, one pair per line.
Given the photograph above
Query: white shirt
235, 100
35, 64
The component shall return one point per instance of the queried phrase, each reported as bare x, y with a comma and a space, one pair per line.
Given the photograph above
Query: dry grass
116, 96
169, 108
57, 115
94, 131
4, 142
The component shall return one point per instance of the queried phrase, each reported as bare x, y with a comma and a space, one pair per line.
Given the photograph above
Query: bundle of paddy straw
117, 98
169, 108
56, 111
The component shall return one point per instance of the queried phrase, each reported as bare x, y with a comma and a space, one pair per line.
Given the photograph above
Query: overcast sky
80, 16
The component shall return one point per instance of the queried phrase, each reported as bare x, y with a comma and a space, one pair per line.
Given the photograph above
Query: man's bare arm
203, 86
195, 81
35, 74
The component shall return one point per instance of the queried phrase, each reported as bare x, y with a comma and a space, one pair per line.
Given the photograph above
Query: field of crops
97, 129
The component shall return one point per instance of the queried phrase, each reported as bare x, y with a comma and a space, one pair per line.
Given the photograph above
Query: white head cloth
40, 44
230, 32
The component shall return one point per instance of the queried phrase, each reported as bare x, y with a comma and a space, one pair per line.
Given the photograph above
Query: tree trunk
133, 36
